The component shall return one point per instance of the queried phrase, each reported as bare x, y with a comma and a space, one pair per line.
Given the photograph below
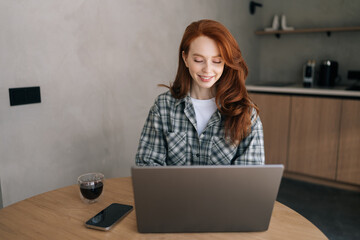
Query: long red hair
232, 98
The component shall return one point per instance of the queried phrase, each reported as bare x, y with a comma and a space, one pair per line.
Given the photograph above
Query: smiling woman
207, 116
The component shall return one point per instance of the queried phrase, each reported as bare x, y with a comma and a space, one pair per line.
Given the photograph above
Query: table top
60, 214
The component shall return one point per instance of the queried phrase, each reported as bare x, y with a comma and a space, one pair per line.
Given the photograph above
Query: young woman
206, 117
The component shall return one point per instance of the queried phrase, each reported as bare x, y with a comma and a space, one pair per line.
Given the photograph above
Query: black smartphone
112, 214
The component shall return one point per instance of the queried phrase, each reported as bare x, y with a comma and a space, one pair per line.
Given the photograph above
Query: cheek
219, 69
193, 68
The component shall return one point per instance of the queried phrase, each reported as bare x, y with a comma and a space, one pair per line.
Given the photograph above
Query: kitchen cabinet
349, 146
314, 136
317, 138
274, 115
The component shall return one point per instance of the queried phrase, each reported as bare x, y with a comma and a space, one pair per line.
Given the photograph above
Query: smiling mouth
206, 78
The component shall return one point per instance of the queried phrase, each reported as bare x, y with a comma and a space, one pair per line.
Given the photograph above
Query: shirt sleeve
251, 149
152, 150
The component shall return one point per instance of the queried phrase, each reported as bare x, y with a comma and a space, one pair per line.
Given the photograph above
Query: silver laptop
205, 198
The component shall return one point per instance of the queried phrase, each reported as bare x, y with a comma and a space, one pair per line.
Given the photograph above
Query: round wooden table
60, 214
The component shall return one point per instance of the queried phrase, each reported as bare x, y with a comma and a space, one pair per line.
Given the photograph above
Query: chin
207, 84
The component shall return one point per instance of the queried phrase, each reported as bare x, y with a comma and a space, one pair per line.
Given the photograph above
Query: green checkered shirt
169, 137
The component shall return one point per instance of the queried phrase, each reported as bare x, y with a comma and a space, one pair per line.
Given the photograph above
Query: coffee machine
328, 73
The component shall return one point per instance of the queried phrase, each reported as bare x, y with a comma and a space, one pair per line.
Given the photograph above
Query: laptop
178, 199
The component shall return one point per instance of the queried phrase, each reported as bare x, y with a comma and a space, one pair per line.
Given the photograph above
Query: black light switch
27, 95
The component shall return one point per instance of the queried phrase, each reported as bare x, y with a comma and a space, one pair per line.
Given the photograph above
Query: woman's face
205, 66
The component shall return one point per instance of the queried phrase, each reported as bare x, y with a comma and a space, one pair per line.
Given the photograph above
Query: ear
184, 58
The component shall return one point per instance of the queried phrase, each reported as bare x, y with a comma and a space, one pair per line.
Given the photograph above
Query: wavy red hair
232, 98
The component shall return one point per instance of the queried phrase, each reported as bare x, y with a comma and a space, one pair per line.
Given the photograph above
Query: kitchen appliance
308, 73
354, 75
328, 73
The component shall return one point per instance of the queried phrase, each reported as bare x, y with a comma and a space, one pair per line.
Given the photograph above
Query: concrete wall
98, 63
281, 60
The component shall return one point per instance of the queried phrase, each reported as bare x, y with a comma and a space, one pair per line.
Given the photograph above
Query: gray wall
98, 63
281, 60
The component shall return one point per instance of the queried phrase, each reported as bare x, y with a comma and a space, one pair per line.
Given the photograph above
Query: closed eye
217, 60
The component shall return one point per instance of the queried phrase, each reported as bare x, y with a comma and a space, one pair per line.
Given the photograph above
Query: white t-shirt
204, 109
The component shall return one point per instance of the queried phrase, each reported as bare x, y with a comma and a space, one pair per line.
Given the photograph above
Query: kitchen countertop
298, 89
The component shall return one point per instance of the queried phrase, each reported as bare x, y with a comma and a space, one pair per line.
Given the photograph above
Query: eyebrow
199, 55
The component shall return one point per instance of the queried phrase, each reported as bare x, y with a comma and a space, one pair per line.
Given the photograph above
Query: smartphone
107, 218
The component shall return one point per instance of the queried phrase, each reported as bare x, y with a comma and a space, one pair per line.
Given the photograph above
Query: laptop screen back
205, 198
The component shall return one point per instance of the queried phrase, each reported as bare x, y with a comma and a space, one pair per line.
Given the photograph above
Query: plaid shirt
169, 137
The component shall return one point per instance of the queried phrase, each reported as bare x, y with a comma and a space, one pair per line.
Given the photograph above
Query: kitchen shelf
277, 33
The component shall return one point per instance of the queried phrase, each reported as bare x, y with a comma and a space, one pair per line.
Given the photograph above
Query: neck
202, 94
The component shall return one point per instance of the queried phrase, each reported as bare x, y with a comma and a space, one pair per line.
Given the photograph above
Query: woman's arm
152, 146
251, 149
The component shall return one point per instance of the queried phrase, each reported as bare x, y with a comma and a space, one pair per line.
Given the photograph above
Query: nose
206, 68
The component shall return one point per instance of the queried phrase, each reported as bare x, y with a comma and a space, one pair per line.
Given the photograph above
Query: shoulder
166, 99
164, 102
254, 114
255, 118
166, 96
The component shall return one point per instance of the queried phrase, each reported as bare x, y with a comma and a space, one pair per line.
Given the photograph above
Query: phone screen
105, 219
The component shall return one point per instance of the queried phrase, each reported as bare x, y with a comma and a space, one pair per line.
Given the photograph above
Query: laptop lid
205, 198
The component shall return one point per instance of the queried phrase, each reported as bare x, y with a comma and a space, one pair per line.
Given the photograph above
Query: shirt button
197, 155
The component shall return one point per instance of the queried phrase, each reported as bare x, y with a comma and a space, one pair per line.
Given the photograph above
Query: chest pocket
177, 144
221, 152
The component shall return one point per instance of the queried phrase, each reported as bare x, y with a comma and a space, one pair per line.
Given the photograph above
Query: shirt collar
186, 99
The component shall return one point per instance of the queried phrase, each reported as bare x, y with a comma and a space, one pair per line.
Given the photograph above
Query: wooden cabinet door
349, 147
314, 136
275, 116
